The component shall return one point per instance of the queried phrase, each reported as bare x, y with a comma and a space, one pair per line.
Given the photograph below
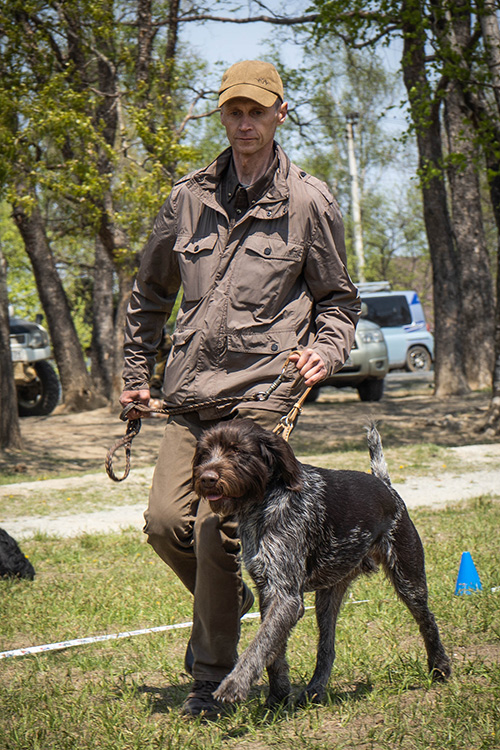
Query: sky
231, 42
223, 44
226, 42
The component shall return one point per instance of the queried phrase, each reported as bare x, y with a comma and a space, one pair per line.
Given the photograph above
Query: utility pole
352, 119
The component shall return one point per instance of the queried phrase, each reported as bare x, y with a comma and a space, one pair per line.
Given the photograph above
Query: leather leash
287, 423
283, 428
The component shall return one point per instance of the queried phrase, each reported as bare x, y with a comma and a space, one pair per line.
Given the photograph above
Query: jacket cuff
136, 385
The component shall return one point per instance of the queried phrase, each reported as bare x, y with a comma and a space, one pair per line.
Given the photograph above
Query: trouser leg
201, 548
172, 505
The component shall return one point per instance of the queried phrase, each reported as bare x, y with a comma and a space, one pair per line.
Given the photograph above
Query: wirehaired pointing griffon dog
302, 529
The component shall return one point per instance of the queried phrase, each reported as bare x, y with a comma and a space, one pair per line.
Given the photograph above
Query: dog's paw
278, 701
230, 691
309, 695
439, 667
441, 673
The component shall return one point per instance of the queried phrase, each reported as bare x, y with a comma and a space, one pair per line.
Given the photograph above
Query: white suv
401, 317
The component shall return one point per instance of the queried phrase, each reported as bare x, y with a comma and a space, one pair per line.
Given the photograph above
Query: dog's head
236, 461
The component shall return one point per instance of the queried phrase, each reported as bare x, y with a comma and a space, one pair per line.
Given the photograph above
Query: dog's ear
280, 457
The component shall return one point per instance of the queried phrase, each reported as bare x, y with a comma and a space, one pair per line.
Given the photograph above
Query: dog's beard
223, 506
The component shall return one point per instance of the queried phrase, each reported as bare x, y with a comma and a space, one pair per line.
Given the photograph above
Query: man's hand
141, 396
310, 365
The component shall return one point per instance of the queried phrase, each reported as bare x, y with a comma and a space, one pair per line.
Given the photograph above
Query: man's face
250, 127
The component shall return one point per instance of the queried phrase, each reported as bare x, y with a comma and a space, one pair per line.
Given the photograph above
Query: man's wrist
136, 386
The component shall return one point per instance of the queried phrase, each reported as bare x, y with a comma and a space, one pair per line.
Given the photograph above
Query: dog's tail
377, 460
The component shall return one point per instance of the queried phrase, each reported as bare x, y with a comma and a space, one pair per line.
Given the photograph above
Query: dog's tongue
213, 498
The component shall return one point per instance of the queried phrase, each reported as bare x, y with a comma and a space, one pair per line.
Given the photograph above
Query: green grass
126, 694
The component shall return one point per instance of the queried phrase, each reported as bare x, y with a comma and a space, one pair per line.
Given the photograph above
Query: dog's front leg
277, 671
268, 647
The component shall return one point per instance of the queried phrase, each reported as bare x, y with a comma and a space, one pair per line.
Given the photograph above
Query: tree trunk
145, 35
491, 37
476, 285
10, 431
75, 381
125, 288
102, 349
449, 362
114, 239
171, 48
453, 29
492, 422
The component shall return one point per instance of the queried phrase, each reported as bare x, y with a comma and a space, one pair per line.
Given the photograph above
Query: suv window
389, 312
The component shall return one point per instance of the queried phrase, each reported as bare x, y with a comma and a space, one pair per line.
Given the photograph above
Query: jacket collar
204, 183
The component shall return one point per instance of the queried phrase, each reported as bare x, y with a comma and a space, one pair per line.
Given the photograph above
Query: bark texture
491, 37
10, 430
476, 284
102, 350
449, 360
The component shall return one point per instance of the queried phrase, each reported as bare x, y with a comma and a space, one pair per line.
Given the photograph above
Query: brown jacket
273, 282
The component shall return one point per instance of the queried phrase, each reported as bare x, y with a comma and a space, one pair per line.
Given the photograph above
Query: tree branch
190, 117
276, 20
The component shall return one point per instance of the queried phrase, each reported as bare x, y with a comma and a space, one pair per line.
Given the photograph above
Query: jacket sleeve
337, 303
152, 299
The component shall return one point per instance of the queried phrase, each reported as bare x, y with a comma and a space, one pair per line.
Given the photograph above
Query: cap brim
247, 91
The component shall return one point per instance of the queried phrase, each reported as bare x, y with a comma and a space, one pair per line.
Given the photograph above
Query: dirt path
408, 413
76, 444
439, 491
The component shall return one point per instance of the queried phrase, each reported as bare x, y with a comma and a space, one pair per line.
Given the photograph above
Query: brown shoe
201, 702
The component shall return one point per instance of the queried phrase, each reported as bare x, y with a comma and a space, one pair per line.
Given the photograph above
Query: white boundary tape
91, 639
30, 650
99, 638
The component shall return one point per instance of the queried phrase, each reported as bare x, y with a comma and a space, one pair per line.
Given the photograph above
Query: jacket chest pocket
267, 272
198, 261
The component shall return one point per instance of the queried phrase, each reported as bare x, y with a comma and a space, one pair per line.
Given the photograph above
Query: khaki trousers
201, 548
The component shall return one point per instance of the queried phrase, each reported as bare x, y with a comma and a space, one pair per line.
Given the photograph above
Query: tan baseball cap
251, 79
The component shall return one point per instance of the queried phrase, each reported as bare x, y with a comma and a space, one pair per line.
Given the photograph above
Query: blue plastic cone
468, 579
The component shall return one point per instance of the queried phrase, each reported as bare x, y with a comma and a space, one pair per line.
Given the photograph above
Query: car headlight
371, 337
38, 339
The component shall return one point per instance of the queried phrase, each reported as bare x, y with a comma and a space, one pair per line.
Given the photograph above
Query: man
258, 247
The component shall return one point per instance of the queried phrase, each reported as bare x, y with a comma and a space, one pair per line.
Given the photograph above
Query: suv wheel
371, 389
40, 397
418, 359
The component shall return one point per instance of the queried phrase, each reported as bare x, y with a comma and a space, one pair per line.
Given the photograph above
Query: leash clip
264, 395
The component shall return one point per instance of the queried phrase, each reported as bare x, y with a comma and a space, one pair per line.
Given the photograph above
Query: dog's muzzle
208, 486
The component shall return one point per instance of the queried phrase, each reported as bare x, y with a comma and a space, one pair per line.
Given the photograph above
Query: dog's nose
209, 479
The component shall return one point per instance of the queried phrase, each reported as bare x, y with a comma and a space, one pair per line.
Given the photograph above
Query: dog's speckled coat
308, 529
